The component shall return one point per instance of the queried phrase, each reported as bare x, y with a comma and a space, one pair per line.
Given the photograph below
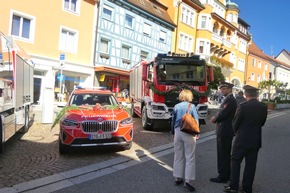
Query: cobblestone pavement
35, 154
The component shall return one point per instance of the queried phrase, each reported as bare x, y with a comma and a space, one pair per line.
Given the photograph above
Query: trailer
16, 90
155, 86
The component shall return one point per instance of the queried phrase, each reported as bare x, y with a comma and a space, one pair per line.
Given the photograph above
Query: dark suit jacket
248, 122
225, 117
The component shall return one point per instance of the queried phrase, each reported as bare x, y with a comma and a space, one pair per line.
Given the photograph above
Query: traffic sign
62, 57
61, 60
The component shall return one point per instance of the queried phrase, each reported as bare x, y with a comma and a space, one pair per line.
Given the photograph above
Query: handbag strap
188, 108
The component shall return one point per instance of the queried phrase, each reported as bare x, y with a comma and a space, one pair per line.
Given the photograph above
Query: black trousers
250, 155
224, 148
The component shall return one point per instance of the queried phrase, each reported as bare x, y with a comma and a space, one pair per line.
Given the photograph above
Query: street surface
35, 154
32, 162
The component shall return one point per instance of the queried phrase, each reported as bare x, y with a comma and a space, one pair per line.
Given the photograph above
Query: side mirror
210, 73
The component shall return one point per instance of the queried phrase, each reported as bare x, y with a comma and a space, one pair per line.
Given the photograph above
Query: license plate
100, 136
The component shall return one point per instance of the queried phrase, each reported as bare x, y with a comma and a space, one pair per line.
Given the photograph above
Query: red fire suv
93, 117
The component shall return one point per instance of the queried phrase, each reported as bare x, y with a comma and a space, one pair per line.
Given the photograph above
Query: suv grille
105, 126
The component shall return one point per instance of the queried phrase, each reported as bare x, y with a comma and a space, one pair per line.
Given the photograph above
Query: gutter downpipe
96, 37
178, 7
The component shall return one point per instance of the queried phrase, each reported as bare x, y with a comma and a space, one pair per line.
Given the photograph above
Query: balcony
221, 40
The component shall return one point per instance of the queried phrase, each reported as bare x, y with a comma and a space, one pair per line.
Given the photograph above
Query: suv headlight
126, 121
70, 123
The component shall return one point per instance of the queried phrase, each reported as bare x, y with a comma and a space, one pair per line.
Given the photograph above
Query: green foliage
179, 88
61, 113
266, 84
218, 77
68, 108
221, 62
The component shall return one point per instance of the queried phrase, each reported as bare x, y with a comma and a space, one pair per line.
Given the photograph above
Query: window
185, 42
266, 66
68, 40
104, 47
187, 15
241, 65
144, 55
252, 77
175, 76
203, 22
259, 64
253, 62
243, 46
128, 21
107, 13
147, 29
162, 37
72, 5
230, 17
125, 52
189, 75
258, 78
201, 47
22, 26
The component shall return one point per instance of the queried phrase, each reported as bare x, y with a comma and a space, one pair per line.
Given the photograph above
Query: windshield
171, 73
93, 99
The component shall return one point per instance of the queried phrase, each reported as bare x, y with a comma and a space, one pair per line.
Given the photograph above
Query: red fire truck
16, 90
155, 86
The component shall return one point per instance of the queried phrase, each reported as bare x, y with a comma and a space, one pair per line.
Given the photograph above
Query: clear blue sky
269, 21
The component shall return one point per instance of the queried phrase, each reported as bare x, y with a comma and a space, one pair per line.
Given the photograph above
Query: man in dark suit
224, 132
248, 121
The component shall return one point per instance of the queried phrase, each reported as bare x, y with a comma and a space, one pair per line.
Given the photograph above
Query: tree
267, 84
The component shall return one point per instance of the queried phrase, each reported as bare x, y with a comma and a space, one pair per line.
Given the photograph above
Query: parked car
93, 117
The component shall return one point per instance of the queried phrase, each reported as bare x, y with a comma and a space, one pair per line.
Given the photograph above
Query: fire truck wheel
26, 121
1, 137
146, 122
133, 114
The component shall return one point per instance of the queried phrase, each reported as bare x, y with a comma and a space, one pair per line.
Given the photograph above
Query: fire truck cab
155, 86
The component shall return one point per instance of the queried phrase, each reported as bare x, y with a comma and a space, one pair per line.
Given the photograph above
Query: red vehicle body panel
95, 124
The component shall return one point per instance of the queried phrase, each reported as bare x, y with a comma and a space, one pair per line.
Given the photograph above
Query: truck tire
26, 121
146, 122
133, 114
1, 137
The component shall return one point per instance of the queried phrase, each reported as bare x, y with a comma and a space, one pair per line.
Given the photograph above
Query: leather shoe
189, 187
178, 182
218, 180
228, 189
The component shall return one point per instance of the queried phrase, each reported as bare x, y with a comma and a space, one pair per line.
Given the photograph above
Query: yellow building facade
258, 67
59, 38
212, 29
